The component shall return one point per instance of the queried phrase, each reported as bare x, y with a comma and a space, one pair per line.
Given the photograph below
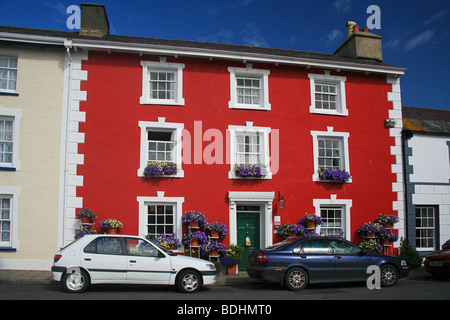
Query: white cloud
252, 36
418, 40
334, 35
342, 6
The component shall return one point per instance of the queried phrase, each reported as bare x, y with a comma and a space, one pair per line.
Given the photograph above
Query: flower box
156, 169
86, 215
216, 230
334, 175
249, 170
192, 217
310, 221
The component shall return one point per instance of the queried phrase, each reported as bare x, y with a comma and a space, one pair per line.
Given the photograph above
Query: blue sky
416, 34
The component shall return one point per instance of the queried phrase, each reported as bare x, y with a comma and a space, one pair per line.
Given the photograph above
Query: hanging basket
310, 225
193, 224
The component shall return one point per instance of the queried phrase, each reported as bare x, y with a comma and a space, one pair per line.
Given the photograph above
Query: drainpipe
64, 144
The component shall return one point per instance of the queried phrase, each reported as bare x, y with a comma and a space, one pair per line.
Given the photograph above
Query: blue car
296, 262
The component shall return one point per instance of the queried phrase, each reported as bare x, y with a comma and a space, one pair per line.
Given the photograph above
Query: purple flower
249, 170
334, 175
160, 169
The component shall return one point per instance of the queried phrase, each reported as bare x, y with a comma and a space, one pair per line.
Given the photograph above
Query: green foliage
410, 254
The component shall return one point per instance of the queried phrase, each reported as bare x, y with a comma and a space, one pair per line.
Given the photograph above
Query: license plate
435, 263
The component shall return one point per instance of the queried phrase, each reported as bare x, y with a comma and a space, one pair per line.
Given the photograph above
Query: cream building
31, 100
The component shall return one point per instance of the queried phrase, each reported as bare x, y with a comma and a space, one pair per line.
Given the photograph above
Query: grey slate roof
280, 53
429, 121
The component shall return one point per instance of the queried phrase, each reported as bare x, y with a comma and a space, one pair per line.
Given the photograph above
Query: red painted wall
112, 140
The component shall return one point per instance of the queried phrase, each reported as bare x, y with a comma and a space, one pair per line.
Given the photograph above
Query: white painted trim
330, 133
264, 199
147, 66
161, 124
264, 134
396, 132
16, 114
14, 193
263, 75
70, 158
327, 78
345, 204
160, 198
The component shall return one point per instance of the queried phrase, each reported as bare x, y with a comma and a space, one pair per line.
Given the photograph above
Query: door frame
263, 199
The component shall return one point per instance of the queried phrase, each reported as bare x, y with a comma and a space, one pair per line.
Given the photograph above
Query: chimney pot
360, 45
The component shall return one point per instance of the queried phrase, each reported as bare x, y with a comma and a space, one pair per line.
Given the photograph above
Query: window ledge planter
160, 169
332, 175
250, 171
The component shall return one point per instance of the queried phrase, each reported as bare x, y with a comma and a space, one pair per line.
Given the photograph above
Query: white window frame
263, 133
262, 75
330, 133
15, 115
149, 66
17, 72
432, 227
344, 204
341, 105
162, 125
12, 193
160, 198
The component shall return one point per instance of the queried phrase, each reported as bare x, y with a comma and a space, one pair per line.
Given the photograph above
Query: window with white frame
9, 200
8, 73
330, 151
328, 94
6, 141
5, 221
249, 88
162, 83
161, 142
333, 221
249, 145
160, 219
336, 216
425, 227
9, 138
160, 215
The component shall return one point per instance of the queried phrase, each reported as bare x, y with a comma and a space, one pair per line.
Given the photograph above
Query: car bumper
270, 274
58, 272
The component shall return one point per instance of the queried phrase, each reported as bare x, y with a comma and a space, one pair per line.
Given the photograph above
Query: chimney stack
360, 44
94, 21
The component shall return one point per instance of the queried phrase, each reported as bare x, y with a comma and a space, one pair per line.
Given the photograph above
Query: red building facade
207, 108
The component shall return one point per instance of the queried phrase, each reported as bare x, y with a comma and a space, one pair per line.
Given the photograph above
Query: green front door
248, 231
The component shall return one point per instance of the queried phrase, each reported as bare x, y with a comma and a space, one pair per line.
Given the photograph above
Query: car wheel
389, 275
296, 279
75, 281
189, 281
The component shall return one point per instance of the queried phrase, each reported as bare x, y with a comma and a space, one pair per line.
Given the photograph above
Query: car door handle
132, 261
338, 257
87, 259
303, 257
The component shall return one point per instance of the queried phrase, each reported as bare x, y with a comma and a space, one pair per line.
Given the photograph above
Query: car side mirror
363, 252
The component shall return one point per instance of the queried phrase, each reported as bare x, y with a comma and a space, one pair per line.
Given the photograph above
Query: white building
426, 138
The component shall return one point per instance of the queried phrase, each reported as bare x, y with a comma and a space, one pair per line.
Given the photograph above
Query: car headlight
211, 266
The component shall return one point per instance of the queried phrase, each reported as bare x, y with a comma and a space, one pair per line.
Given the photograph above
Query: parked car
446, 245
125, 259
438, 262
297, 262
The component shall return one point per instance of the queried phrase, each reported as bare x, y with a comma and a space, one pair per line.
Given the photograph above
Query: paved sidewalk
45, 277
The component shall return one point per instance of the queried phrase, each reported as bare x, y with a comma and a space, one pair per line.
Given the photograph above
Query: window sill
328, 113
7, 169
162, 102
249, 107
7, 249
9, 93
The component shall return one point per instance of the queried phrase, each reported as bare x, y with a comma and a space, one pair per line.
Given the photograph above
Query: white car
126, 259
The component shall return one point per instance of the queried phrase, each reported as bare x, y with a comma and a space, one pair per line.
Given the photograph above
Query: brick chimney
94, 21
360, 44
